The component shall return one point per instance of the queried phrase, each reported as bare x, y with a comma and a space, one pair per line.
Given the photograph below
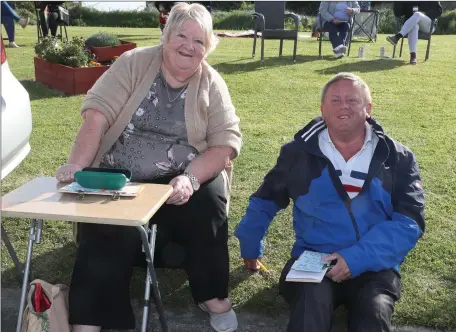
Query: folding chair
421, 35
62, 24
366, 23
321, 30
270, 20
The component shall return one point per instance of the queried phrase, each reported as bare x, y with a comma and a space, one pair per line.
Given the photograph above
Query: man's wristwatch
193, 180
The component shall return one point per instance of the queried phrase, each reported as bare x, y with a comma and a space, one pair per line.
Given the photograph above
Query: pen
262, 267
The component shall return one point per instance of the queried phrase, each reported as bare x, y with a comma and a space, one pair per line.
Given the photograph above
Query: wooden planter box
108, 52
72, 81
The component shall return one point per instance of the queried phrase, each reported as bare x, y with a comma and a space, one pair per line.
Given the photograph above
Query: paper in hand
310, 261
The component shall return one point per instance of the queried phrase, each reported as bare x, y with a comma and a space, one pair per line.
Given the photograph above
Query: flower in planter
70, 53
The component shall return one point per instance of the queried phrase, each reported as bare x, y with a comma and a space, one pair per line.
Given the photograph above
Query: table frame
148, 236
147, 233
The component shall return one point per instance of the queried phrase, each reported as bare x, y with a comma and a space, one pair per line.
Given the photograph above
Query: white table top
40, 199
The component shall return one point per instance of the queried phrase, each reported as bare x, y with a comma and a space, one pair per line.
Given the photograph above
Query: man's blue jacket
373, 231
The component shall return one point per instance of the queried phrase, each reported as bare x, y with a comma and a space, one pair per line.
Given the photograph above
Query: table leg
146, 308
34, 237
17, 263
149, 250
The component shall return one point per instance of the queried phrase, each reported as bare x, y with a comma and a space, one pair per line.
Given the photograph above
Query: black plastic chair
322, 30
421, 35
269, 19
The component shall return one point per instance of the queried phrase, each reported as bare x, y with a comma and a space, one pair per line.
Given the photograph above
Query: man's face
344, 108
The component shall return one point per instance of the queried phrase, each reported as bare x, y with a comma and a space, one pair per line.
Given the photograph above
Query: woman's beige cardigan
210, 117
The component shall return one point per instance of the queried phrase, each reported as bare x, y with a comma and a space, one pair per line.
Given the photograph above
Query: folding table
40, 200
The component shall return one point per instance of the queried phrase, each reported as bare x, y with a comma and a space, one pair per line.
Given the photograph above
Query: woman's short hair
349, 77
182, 12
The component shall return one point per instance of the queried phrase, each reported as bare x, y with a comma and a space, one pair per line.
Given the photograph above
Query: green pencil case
103, 178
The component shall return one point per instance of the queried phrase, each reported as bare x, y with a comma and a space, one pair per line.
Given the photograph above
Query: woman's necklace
167, 91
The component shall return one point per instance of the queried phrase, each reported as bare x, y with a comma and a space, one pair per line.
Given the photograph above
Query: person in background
419, 16
9, 16
163, 7
336, 16
164, 113
53, 16
357, 196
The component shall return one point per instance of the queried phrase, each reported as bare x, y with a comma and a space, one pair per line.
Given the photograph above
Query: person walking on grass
9, 16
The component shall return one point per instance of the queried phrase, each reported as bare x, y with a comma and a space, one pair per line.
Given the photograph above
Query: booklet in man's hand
309, 267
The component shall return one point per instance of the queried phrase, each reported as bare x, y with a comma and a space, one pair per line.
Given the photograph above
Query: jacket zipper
343, 194
352, 217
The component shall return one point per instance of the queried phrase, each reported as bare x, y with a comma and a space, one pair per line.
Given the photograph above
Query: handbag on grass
47, 308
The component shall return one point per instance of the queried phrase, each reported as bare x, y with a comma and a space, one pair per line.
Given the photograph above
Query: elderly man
357, 196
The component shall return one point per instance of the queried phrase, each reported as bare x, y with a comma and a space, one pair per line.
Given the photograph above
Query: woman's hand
182, 190
66, 172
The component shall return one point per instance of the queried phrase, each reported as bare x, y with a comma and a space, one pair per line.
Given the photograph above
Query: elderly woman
167, 115
335, 18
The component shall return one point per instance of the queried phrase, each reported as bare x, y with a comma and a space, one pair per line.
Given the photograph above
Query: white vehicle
16, 119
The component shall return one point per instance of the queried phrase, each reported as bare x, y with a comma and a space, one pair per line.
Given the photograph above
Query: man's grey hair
349, 77
182, 12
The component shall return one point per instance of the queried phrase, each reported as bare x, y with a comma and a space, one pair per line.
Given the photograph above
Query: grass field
415, 105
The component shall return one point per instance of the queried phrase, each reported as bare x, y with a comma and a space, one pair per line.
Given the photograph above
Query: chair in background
269, 19
63, 22
365, 24
321, 31
421, 35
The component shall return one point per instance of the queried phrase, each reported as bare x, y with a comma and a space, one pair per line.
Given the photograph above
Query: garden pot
72, 81
108, 52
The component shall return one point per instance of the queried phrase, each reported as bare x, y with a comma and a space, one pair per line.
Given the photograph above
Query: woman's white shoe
221, 322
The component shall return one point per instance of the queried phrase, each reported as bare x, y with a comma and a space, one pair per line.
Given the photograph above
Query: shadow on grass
364, 66
57, 266
39, 91
269, 62
53, 267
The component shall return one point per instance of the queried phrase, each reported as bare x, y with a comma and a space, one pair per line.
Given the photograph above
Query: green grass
415, 105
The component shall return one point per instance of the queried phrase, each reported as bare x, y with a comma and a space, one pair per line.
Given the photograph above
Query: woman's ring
182, 198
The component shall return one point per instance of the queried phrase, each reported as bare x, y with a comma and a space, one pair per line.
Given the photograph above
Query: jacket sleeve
386, 244
432, 9
356, 8
223, 123
325, 14
112, 90
270, 198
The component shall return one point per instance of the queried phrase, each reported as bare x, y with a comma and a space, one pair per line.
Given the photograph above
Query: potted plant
105, 46
69, 68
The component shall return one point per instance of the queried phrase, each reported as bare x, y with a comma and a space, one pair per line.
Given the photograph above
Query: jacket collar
307, 137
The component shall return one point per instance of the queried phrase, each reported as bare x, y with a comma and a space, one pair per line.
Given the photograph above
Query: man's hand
252, 263
182, 190
340, 272
348, 10
335, 21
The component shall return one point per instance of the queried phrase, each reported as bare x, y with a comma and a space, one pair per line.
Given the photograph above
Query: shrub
117, 18
234, 20
71, 53
101, 39
447, 23
387, 21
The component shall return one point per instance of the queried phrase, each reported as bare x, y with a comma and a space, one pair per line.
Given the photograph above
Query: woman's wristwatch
193, 180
